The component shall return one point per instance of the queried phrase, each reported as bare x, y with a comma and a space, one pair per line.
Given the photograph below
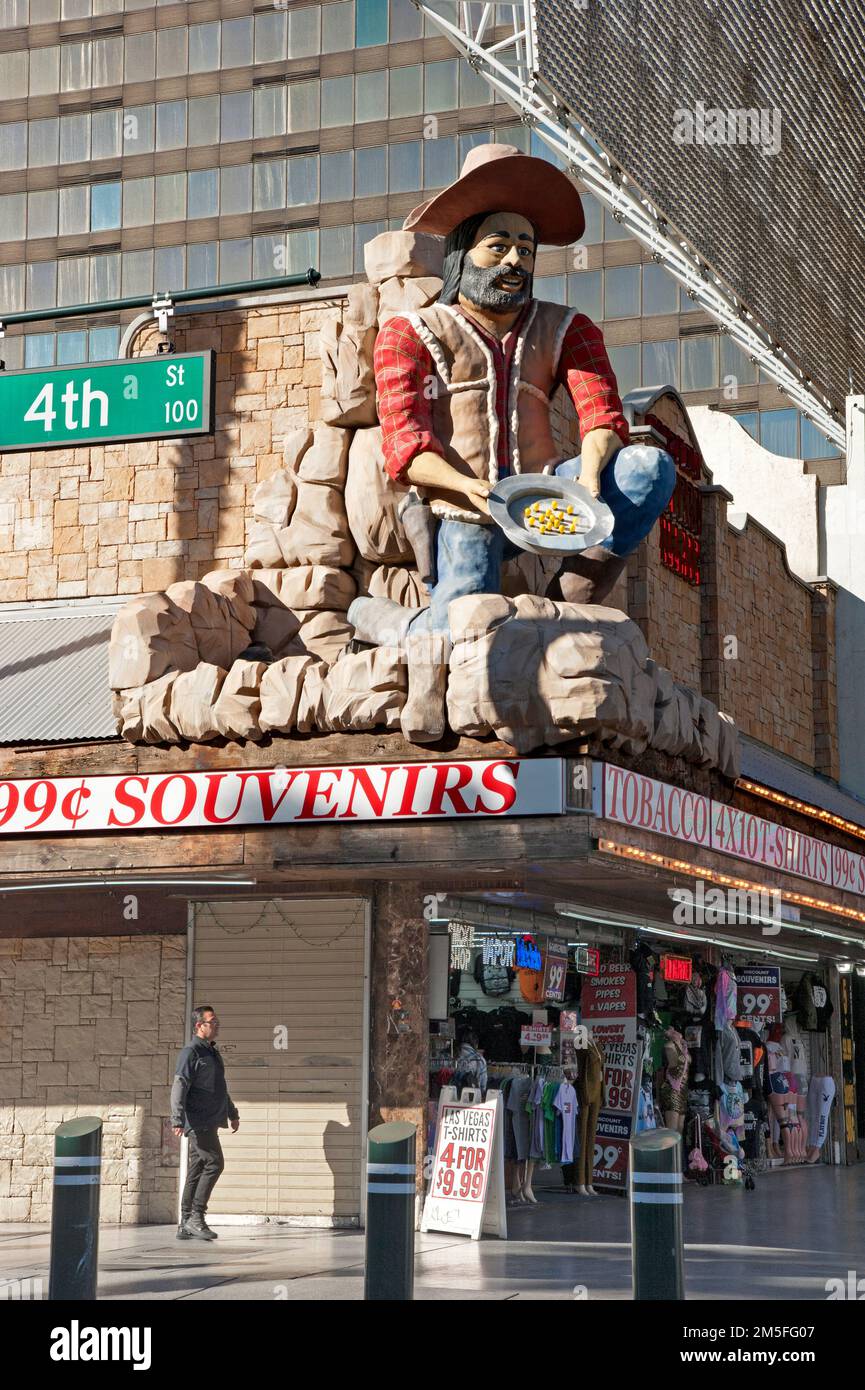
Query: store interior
721, 1033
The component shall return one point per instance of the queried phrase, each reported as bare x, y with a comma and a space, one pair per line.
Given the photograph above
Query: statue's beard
478, 286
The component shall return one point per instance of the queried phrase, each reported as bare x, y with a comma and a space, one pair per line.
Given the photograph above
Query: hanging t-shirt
567, 1105
726, 991
550, 1091
535, 1105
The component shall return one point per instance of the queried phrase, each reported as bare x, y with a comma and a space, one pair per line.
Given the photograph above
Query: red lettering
313, 791
502, 786
158, 798
362, 778
646, 790
660, 819
132, 803
406, 807
214, 782
676, 805
269, 807
613, 785
701, 820
751, 837
807, 850
778, 847
630, 784
442, 790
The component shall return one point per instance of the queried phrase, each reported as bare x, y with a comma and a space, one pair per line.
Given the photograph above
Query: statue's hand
476, 490
597, 449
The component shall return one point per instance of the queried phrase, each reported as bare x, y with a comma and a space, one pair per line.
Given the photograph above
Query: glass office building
150, 147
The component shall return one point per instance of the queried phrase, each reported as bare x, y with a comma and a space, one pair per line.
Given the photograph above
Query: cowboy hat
500, 178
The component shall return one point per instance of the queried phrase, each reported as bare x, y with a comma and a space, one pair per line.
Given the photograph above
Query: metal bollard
390, 1213
75, 1210
656, 1215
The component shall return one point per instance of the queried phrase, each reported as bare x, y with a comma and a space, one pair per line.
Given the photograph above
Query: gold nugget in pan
554, 518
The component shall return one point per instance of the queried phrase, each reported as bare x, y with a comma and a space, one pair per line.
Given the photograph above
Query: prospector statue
464, 390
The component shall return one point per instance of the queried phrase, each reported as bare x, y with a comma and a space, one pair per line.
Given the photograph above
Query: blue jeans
636, 485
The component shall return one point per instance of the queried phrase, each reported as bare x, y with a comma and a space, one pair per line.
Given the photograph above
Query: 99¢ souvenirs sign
468, 1172
280, 796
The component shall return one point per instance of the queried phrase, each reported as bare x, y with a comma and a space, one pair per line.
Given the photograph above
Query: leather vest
464, 406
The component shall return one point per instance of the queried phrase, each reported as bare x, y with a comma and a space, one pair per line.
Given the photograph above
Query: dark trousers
205, 1165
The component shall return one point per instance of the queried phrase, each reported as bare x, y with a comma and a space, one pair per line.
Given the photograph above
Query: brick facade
90, 1026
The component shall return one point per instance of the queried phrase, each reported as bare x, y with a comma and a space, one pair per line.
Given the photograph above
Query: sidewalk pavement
798, 1229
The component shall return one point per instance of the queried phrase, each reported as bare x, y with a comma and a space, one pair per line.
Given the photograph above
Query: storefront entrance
289, 979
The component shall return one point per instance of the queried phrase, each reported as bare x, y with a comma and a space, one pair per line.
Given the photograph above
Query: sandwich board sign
466, 1194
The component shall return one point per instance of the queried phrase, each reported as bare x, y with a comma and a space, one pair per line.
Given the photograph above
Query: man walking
200, 1107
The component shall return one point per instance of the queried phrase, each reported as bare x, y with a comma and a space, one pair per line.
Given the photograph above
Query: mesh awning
54, 673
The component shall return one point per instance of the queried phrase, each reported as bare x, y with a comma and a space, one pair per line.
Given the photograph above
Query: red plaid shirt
403, 367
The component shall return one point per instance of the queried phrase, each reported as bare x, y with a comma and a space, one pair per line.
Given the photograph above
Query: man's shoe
198, 1227
182, 1233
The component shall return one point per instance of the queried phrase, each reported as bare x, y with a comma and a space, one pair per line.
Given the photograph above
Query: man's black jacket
199, 1095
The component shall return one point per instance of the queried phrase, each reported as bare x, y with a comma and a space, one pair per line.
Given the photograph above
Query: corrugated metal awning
760, 764
54, 671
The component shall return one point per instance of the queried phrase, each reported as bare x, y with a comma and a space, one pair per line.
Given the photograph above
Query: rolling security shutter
287, 980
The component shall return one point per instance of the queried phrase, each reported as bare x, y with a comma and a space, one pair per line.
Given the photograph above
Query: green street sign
107, 402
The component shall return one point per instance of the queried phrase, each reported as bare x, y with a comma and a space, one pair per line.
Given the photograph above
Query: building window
303, 102
71, 348
204, 194
39, 350
168, 272
613, 230
337, 27
236, 42
371, 170
104, 206
170, 202
302, 181
73, 276
440, 85
201, 269
406, 22
13, 145
13, 74
700, 362
13, 217
470, 141
337, 101
622, 292
553, 288
139, 60
585, 292
203, 47
661, 363
74, 209
270, 37
74, 139
737, 369
138, 202
170, 125
404, 166
750, 421
594, 232
304, 32
268, 257
370, 23
406, 91
42, 213
268, 185
138, 130
105, 132
104, 344
439, 162
107, 61
44, 71
44, 142
137, 272
301, 252
104, 277
171, 52
337, 177
370, 95
235, 189
41, 284
814, 444
625, 362
336, 252
779, 433
203, 122
12, 288
236, 116
235, 260
474, 91
660, 291
269, 111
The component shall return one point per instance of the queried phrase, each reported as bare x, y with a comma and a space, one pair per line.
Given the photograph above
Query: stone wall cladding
90, 1026
132, 518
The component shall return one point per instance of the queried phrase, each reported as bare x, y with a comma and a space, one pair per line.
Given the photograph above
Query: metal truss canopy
610, 88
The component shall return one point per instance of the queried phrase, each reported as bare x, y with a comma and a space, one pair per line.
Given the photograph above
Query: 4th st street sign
102, 402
